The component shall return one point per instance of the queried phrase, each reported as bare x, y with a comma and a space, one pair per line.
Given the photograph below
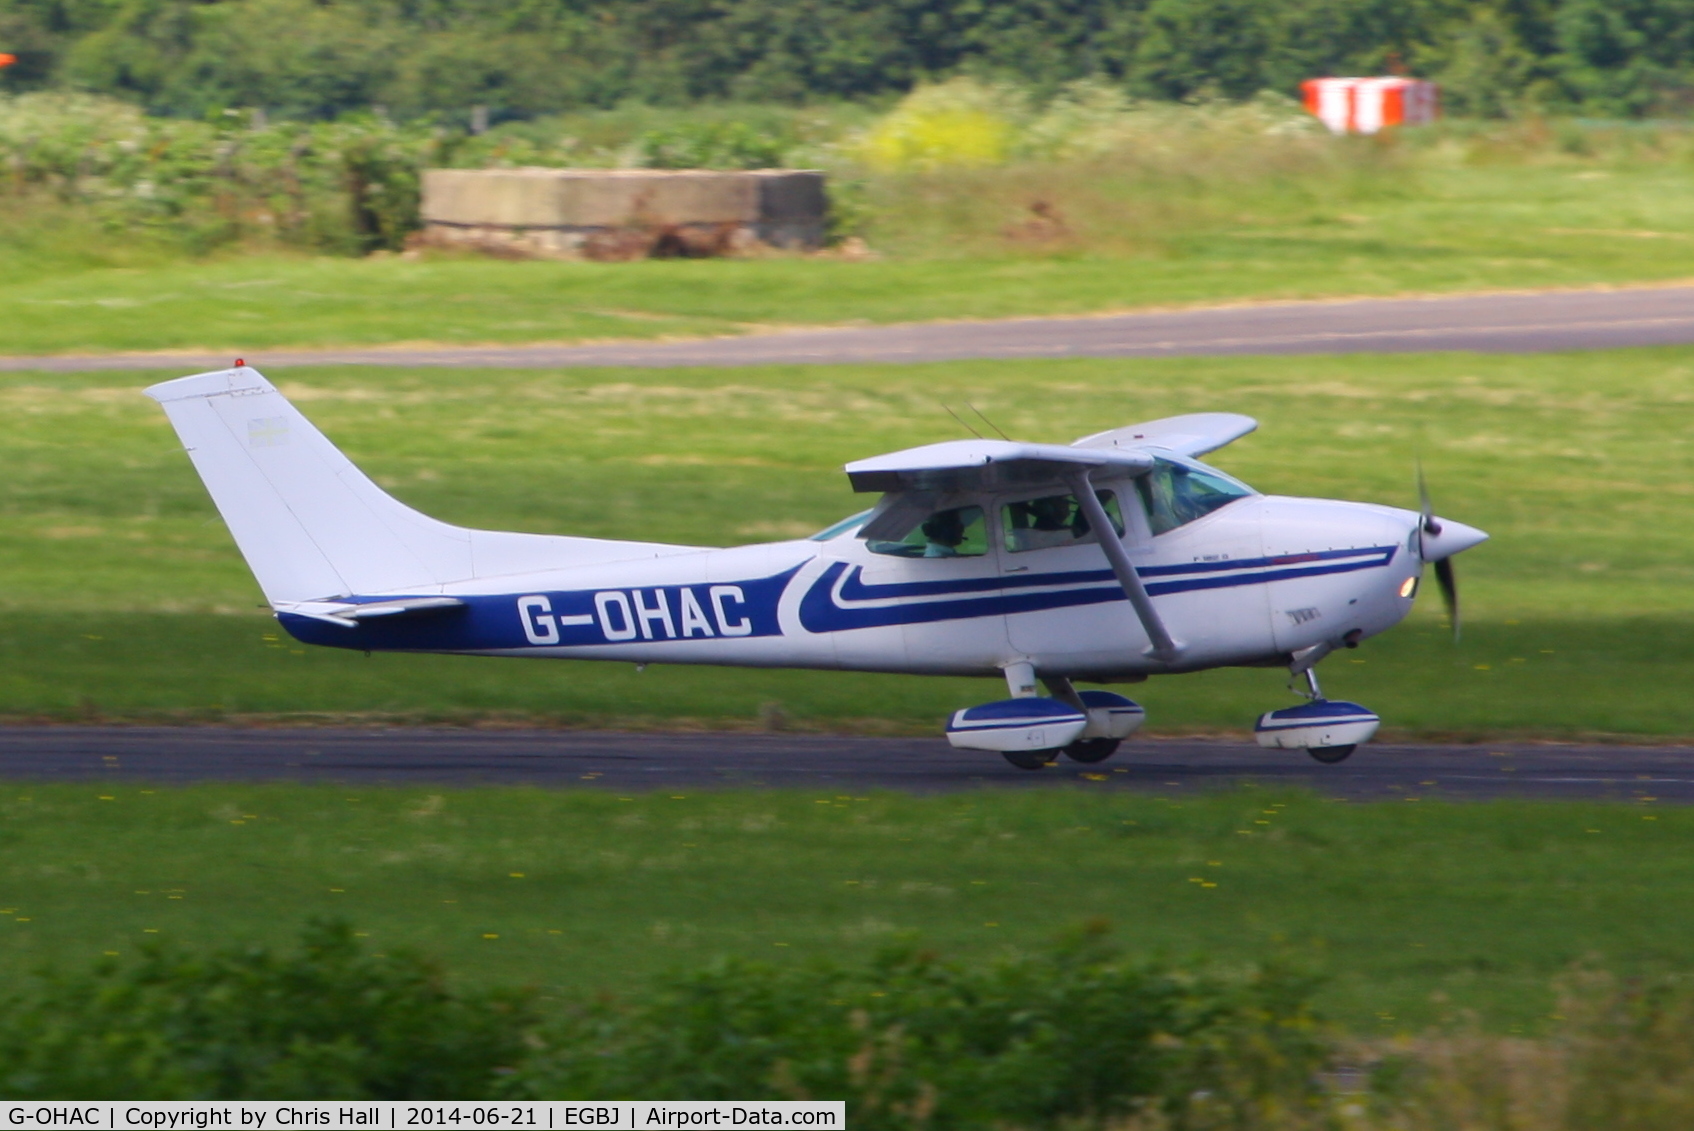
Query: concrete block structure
623, 213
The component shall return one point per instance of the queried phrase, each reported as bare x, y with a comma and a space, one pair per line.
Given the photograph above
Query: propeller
1430, 527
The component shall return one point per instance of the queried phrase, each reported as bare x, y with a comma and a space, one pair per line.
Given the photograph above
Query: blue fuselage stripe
838, 600
832, 603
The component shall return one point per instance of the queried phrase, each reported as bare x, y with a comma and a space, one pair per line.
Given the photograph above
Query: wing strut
1164, 647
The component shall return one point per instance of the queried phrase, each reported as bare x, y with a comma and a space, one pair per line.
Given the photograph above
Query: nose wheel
1089, 751
1327, 729
1330, 755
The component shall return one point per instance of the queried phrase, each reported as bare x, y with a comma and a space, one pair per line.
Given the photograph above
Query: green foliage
247, 1023
908, 1040
710, 145
350, 186
911, 1041
311, 59
961, 122
1626, 58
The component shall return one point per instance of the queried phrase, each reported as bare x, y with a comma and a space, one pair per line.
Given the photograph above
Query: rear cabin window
1053, 520
1176, 494
958, 532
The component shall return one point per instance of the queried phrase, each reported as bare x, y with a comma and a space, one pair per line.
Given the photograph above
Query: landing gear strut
1328, 755
1328, 730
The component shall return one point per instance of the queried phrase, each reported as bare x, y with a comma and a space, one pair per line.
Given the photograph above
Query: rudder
310, 524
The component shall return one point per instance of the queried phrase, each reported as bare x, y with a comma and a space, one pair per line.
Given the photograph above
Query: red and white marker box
1365, 106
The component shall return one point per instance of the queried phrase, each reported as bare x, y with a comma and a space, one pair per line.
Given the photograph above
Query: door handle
1017, 569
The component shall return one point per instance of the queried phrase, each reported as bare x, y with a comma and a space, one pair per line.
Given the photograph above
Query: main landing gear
1327, 729
1087, 751
1030, 731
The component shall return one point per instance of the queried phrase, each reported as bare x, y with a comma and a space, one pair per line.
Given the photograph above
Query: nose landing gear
1327, 729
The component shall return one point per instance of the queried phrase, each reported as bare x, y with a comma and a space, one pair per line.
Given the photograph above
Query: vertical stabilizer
309, 523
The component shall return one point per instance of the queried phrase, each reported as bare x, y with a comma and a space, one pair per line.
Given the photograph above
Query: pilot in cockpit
943, 531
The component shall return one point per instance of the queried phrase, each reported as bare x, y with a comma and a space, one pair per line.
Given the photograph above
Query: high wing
962, 465
1192, 435
912, 479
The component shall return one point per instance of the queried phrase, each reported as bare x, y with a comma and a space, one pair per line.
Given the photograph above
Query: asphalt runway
634, 762
1488, 323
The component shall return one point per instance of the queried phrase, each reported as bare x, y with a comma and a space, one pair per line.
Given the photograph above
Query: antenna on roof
961, 421
987, 421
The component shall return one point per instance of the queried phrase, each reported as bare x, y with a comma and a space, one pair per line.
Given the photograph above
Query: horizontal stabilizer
348, 614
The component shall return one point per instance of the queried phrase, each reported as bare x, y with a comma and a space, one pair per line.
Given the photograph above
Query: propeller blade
1425, 506
1449, 583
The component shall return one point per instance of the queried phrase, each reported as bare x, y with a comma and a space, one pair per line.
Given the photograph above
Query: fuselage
1250, 581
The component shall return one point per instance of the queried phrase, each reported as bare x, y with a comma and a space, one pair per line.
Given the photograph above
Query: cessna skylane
981, 557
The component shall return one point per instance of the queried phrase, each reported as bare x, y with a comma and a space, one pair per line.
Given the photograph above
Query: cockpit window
851, 522
1176, 494
959, 532
1053, 520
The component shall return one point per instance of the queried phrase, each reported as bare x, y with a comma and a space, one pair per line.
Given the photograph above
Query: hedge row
1076, 1036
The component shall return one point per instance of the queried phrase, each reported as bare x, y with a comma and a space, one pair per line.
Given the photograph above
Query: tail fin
309, 523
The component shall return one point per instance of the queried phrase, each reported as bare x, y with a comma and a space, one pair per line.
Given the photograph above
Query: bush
911, 1041
325, 1023
710, 145
347, 187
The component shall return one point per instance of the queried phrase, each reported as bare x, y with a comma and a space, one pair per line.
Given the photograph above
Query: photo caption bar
398, 1115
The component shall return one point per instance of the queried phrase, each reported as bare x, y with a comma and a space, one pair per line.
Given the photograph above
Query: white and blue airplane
981, 558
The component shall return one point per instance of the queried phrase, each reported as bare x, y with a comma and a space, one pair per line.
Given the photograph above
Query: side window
959, 532
1175, 494
1053, 520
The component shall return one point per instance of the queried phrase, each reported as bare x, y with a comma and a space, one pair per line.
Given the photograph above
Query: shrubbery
349, 186
327, 1022
1075, 1037
961, 166
1075, 1034
908, 1040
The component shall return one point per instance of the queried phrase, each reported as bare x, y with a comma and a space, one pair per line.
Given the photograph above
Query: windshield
1176, 494
836, 530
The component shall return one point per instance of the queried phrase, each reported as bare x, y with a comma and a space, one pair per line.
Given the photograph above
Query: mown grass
1414, 911
960, 245
122, 596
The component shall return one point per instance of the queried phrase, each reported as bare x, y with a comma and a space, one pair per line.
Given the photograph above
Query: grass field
122, 596
1171, 240
1414, 910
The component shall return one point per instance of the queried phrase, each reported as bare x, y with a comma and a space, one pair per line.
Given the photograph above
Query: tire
1091, 750
1330, 755
1030, 759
